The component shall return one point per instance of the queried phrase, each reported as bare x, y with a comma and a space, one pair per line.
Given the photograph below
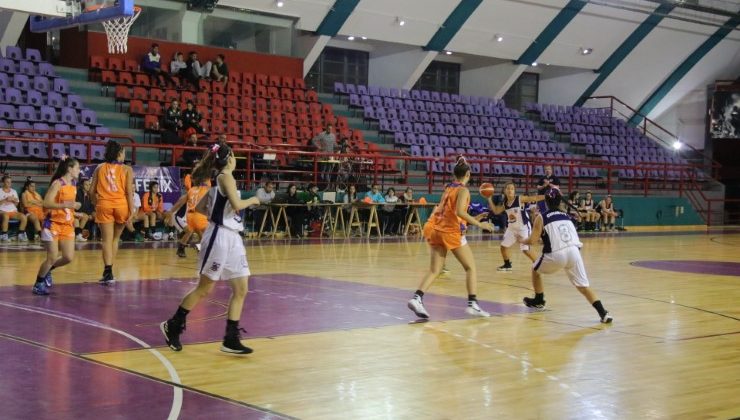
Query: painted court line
175, 378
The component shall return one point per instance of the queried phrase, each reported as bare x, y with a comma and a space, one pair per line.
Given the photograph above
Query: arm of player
534, 237
462, 211
130, 191
530, 198
495, 208
175, 207
229, 184
94, 187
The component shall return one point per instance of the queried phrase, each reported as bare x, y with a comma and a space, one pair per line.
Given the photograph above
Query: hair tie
215, 147
63, 157
461, 158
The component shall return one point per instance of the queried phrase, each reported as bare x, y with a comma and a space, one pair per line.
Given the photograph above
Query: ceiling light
498, 37
534, 64
279, 3
400, 21
351, 38
363, 37
448, 52
586, 51
677, 145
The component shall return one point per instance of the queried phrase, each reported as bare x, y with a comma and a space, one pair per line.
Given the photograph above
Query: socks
39, 280
472, 298
419, 293
180, 315
507, 262
232, 326
599, 308
539, 297
108, 269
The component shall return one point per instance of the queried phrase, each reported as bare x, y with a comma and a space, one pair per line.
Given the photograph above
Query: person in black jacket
86, 211
172, 123
296, 214
191, 118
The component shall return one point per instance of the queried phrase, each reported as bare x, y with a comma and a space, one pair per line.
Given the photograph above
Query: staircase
105, 109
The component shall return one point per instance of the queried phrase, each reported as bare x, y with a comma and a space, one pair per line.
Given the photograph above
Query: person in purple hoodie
151, 64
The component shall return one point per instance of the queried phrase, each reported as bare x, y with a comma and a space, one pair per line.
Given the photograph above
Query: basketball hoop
117, 31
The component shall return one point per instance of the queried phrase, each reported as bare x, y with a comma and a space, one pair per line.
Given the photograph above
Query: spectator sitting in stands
190, 156
349, 198
608, 213
408, 195
375, 195
194, 71
152, 206
296, 214
191, 118
86, 211
138, 217
150, 64
220, 71
389, 214
9, 210
32, 205
172, 123
265, 195
575, 214
312, 197
178, 67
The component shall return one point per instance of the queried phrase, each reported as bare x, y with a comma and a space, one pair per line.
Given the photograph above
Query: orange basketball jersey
111, 188
195, 194
67, 193
444, 218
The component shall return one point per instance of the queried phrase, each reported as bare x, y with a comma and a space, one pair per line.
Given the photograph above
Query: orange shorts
446, 240
37, 211
57, 232
10, 214
197, 222
117, 215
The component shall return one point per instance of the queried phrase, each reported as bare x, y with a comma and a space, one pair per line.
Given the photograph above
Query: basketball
486, 189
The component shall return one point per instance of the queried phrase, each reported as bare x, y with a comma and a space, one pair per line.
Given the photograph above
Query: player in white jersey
518, 226
561, 250
222, 255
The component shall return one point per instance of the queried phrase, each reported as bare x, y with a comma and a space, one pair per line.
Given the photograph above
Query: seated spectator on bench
390, 213
33, 205
138, 217
152, 206
608, 213
375, 195
194, 71
265, 195
172, 124
191, 118
178, 67
189, 157
9, 210
296, 214
220, 71
151, 64
86, 211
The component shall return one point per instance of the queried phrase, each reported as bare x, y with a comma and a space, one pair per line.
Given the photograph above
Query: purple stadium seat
365, 100
8, 112
34, 97
384, 91
361, 90
57, 150
46, 69
38, 150
102, 130
7, 65
354, 100
27, 68
22, 125
339, 88
21, 81
75, 101
55, 99
376, 101
78, 151
33, 54
48, 114
61, 86
88, 117
15, 149
69, 115
14, 52
350, 88
26, 112
82, 129
399, 137
384, 126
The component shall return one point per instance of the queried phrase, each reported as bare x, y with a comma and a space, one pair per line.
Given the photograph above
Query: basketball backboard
83, 12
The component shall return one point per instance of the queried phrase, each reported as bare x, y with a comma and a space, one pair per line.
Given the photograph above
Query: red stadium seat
286, 106
204, 86
97, 62
232, 101
115, 64
156, 94
276, 130
136, 107
140, 93
218, 100
217, 113
218, 87
312, 96
260, 104
235, 78
108, 77
273, 80
299, 83
141, 80
286, 93
299, 96
262, 117
249, 129
291, 132
287, 81
151, 122
154, 108
247, 90
122, 92
130, 65
247, 115
125, 78
217, 126
261, 130
301, 108
232, 127
246, 102
233, 88
273, 92
261, 91
261, 79
186, 96
232, 114
248, 78
171, 95
290, 119
276, 118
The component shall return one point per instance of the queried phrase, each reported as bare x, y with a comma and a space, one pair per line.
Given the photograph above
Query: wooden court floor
333, 338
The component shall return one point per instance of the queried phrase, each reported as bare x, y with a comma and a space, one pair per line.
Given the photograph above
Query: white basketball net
117, 31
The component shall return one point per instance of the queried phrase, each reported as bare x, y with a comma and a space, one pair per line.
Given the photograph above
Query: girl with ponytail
32, 204
58, 233
445, 231
152, 208
222, 255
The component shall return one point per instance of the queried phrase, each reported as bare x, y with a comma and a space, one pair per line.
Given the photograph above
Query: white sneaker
417, 307
474, 309
172, 236
607, 318
197, 246
80, 238
22, 237
4, 238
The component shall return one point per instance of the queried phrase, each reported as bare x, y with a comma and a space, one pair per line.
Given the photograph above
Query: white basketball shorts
514, 234
568, 259
222, 255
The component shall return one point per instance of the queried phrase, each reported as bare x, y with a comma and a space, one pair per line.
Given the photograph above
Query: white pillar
190, 28
11, 26
310, 47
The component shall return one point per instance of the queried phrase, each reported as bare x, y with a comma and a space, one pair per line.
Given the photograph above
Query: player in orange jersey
59, 225
152, 207
445, 231
196, 222
33, 204
112, 192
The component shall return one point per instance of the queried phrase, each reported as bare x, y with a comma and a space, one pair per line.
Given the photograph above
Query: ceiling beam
338, 14
452, 25
551, 31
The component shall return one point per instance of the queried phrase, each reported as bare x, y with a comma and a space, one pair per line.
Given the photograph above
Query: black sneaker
232, 343
607, 319
172, 331
533, 303
181, 251
505, 267
107, 279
